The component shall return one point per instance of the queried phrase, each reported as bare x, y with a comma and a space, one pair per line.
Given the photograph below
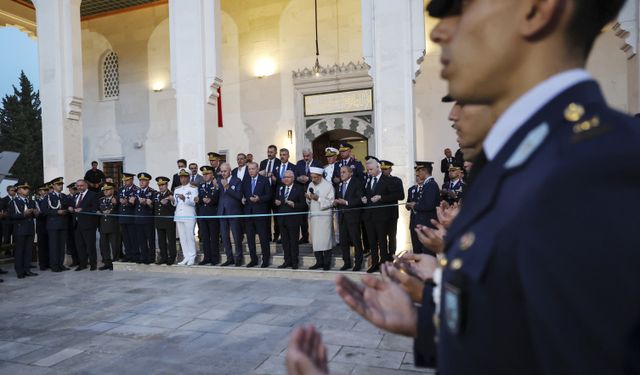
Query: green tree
21, 131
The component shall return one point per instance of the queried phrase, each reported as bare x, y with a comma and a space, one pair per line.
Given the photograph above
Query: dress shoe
252, 264
93, 268
279, 241
106, 267
294, 266
44, 268
264, 265
227, 263
29, 273
158, 263
215, 262
345, 267
3, 271
239, 263
315, 266
372, 269
74, 264
303, 240
56, 270
63, 268
21, 276
326, 268
356, 268
204, 263
80, 268
284, 265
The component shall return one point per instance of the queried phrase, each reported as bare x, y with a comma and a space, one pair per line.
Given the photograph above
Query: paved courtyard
157, 323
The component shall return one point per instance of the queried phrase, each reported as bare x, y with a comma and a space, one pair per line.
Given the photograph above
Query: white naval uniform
320, 216
186, 222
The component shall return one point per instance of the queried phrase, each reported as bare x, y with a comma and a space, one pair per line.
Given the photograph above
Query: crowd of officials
269, 201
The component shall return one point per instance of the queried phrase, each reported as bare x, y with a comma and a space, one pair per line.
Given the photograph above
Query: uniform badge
233, 187
532, 141
467, 241
573, 112
353, 166
453, 308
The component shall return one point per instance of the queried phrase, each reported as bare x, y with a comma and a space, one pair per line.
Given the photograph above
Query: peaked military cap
43, 187
107, 187
444, 8
369, 157
428, 165
330, 151
22, 184
144, 176
345, 147
127, 176
162, 180
57, 181
214, 156
71, 185
206, 169
448, 99
183, 172
385, 164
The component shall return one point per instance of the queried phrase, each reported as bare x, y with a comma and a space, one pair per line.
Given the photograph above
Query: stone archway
357, 124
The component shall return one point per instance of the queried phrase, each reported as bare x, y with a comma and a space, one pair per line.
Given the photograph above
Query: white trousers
187, 240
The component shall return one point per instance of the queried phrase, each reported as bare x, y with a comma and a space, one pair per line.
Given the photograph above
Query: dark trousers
209, 232
276, 227
86, 246
304, 228
109, 244
57, 242
43, 246
146, 242
130, 240
22, 253
365, 237
167, 243
377, 235
72, 249
418, 247
259, 226
391, 234
7, 232
234, 226
289, 230
350, 234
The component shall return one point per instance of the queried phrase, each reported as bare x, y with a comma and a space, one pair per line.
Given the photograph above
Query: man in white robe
331, 154
320, 196
184, 199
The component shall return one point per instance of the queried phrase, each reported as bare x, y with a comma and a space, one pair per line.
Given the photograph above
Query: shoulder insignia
588, 129
573, 112
531, 142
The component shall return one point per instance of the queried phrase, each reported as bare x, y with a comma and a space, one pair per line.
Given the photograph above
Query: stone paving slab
162, 323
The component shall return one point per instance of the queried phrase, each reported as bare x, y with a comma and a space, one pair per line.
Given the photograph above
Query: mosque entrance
333, 138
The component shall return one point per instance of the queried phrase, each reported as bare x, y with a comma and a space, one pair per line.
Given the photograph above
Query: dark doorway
333, 138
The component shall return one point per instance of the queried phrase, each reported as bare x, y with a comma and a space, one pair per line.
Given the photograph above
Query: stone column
195, 29
393, 38
60, 63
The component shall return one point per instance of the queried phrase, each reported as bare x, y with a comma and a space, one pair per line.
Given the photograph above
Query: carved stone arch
626, 27
322, 126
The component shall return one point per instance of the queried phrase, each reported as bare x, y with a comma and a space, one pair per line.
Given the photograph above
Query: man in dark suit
423, 199
195, 179
349, 195
126, 210
379, 191
256, 192
41, 228
278, 174
165, 226
22, 211
290, 199
144, 220
57, 224
85, 204
7, 224
207, 205
267, 167
240, 171
175, 182
72, 249
346, 158
94, 177
109, 227
398, 191
230, 204
303, 177
446, 163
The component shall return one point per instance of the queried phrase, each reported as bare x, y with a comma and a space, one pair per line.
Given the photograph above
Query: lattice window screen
110, 76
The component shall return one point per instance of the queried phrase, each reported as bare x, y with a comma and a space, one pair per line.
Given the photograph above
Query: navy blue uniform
165, 228
427, 199
356, 167
126, 211
540, 281
144, 224
43, 236
257, 225
57, 228
209, 229
23, 232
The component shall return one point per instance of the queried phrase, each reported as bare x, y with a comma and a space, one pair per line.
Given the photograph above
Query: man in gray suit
195, 179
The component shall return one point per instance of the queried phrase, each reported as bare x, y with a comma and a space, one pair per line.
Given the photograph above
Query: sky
19, 52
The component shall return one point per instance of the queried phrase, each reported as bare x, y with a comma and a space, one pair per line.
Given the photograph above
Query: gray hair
289, 172
373, 162
253, 163
225, 165
307, 150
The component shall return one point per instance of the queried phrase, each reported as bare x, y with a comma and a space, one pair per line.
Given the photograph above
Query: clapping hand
364, 200
447, 213
277, 202
196, 199
402, 274
432, 239
254, 199
290, 203
421, 266
382, 302
206, 200
306, 354
376, 198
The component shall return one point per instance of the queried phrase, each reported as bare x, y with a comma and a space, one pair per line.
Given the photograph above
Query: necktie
286, 193
283, 167
193, 178
80, 199
253, 185
344, 190
269, 166
373, 184
306, 169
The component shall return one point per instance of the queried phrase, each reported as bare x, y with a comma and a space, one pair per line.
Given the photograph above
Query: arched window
110, 76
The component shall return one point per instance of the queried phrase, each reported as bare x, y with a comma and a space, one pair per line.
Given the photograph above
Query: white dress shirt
527, 105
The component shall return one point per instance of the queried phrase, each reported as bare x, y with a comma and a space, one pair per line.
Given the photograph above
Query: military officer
126, 210
452, 190
165, 226
347, 159
207, 205
144, 221
72, 249
7, 228
387, 168
214, 162
41, 228
22, 211
422, 200
57, 224
109, 227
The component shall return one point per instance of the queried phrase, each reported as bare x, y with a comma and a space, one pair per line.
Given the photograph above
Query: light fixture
264, 67
290, 136
157, 86
316, 66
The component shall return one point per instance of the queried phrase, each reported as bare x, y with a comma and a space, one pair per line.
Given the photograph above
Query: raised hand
446, 213
306, 354
411, 284
432, 239
421, 266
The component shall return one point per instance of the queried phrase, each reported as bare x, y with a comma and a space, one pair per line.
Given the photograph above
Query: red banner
219, 107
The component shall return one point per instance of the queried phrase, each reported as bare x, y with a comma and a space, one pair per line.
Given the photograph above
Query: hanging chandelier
316, 66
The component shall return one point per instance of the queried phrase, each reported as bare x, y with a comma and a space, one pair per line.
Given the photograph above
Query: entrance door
333, 138
113, 169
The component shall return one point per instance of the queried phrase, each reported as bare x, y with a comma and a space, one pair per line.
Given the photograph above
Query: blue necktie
283, 168
344, 190
253, 185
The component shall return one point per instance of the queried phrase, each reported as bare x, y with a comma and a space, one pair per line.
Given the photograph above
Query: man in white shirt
184, 199
241, 171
